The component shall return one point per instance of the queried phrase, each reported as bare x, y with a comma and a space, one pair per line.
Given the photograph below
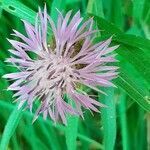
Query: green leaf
137, 58
137, 42
110, 29
108, 8
95, 7
1, 10
29, 130
106, 26
49, 136
113, 12
10, 127
148, 131
15, 143
57, 4
18, 9
123, 120
90, 141
71, 130
131, 89
146, 12
138, 6
117, 13
133, 83
27, 114
109, 119
133, 50
83, 3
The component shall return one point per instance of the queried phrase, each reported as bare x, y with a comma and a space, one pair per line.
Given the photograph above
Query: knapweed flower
60, 65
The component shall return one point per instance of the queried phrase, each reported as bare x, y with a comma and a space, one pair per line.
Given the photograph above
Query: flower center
51, 74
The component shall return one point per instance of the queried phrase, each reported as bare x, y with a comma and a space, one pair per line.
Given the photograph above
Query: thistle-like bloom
60, 65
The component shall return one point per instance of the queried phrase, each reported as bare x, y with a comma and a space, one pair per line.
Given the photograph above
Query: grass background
125, 124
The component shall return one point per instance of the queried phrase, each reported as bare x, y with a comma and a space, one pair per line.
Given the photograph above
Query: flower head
62, 63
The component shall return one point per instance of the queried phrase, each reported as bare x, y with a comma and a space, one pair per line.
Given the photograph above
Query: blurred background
125, 124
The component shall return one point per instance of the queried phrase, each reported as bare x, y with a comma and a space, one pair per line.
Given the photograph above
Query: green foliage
109, 119
125, 122
10, 127
131, 54
71, 132
18, 9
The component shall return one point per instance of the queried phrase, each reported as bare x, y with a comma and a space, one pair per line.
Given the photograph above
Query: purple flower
62, 63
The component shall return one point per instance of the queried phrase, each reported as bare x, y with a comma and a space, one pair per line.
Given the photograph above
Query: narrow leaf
19, 10
109, 119
71, 129
123, 120
10, 127
95, 7
71, 132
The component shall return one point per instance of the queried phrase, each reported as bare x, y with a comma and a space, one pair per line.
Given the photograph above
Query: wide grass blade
15, 142
109, 119
71, 129
138, 7
148, 131
10, 127
49, 135
95, 7
71, 132
18, 9
57, 4
123, 120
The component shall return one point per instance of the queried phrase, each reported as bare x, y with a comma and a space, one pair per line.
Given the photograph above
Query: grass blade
50, 136
123, 120
148, 131
71, 132
10, 127
71, 129
57, 4
49, 123
18, 9
109, 119
95, 7
125, 83
138, 7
